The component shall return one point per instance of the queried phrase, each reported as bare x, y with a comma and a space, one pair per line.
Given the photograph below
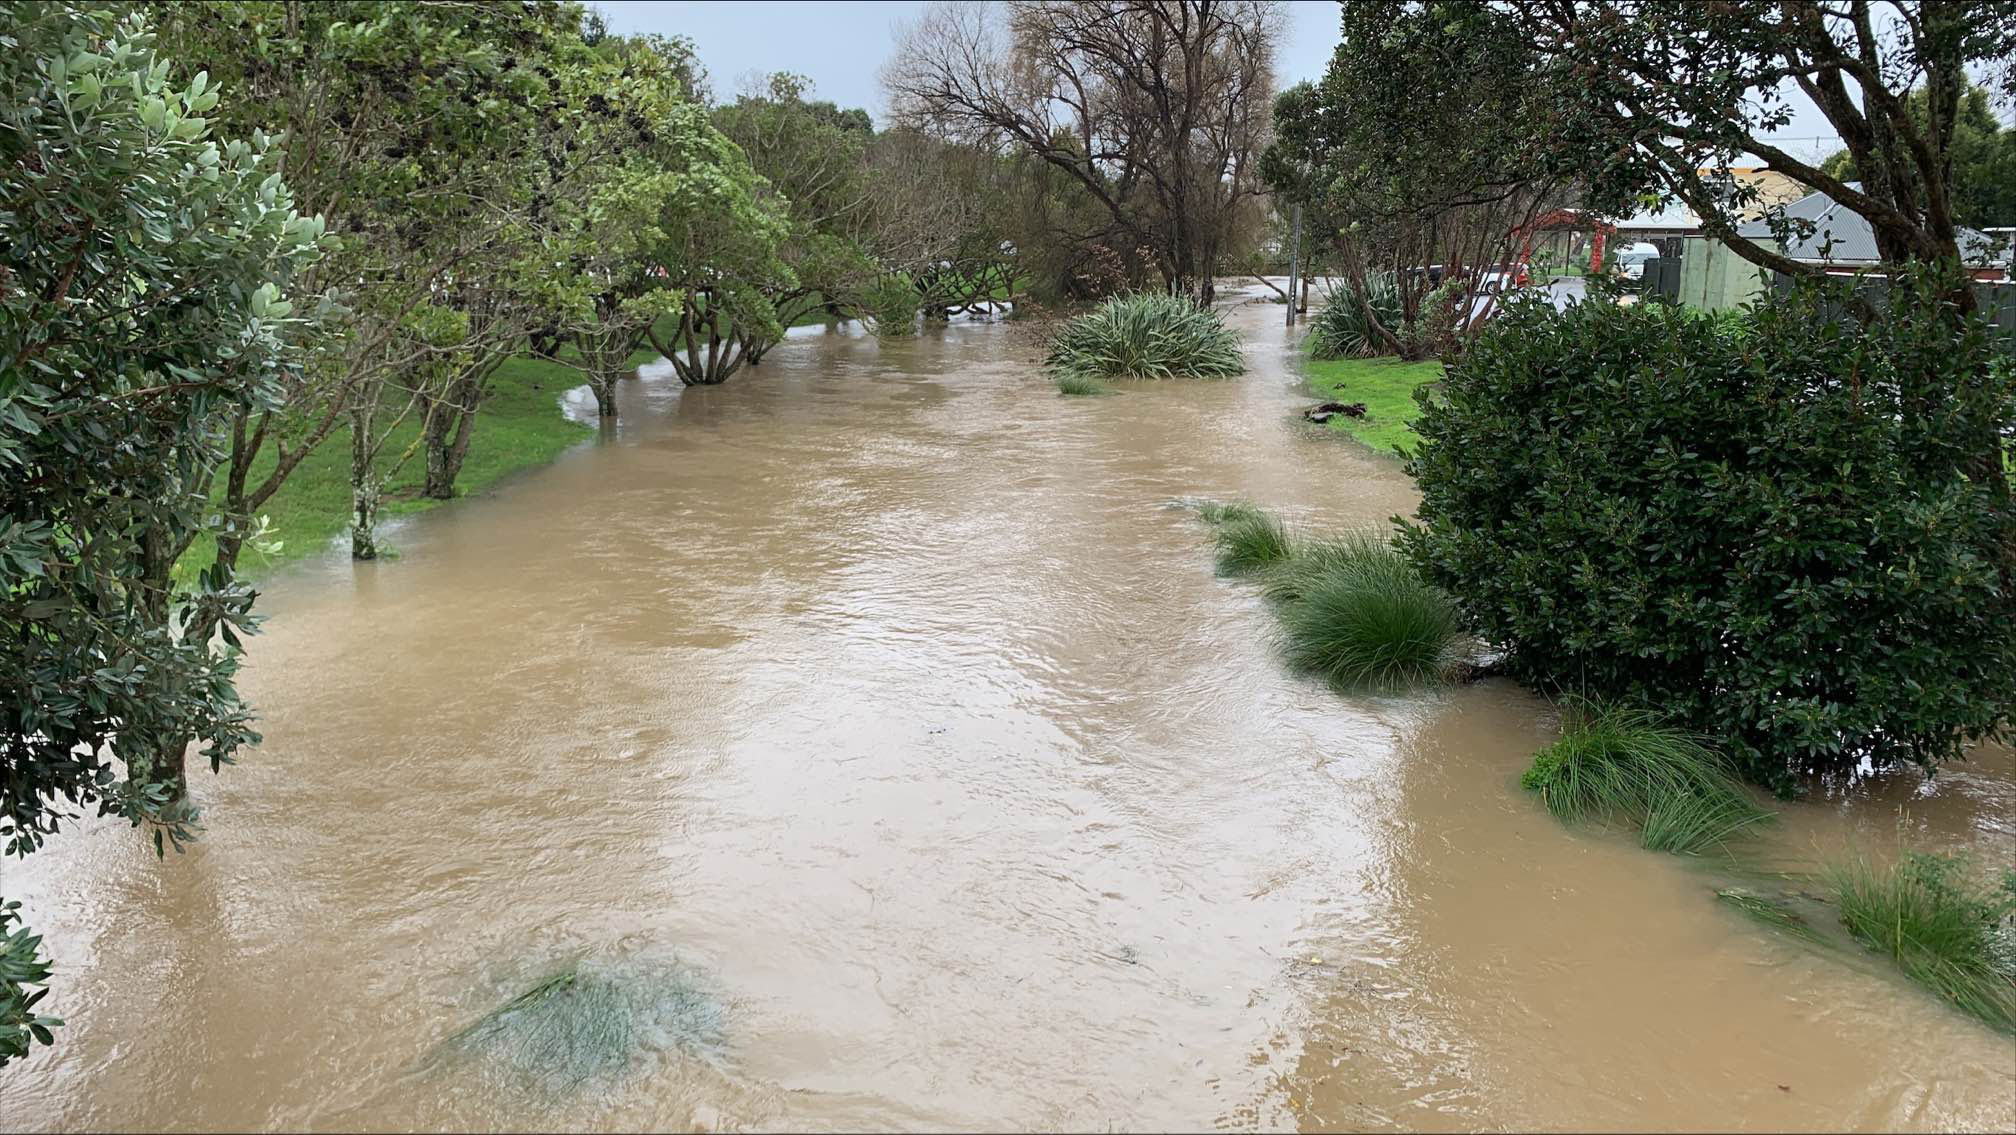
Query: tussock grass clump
579, 1025
1147, 335
1081, 385
1625, 766
1943, 925
1249, 539
1355, 613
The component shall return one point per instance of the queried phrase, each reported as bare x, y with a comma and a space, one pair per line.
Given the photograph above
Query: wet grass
1352, 610
578, 1025
1386, 386
1775, 912
1080, 385
1249, 540
1625, 767
1941, 924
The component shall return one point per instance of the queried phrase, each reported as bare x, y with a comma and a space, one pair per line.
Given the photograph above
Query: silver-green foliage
144, 269
1147, 335
585, 1023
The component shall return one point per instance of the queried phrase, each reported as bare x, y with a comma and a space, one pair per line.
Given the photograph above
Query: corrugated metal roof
1842, 236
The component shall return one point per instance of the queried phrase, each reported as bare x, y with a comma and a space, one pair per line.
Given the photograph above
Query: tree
1155, 108
1763, 530
717, 241
144, 269
1983, 157
1652, 100
811, 157
416, 130
1403, 173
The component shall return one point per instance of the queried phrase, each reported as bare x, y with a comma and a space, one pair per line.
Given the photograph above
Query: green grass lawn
519, 427
1385, 385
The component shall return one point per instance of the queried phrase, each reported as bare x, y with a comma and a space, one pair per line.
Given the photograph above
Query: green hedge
1789, 532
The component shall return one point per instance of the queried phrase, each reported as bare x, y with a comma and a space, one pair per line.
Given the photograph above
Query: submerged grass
1773, 911
1941, 924
1249, 539
579, 1025
1352, 610
1080, 385
1147, 335
1355, 613
1625, 766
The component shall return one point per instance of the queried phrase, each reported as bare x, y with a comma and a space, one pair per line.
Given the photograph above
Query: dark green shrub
1626, 767
1147, 335
1943, 926
1794, 538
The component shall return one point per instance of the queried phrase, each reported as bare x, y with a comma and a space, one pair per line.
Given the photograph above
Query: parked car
1632, 259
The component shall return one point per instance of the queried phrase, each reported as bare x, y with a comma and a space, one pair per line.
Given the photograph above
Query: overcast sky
841, 44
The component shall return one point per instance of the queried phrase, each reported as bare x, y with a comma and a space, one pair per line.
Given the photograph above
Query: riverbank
520, 427
1385, 385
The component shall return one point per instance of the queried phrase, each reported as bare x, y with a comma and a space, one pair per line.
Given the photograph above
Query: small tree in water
142, 268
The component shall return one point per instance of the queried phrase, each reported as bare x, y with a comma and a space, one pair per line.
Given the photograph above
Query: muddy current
877, 730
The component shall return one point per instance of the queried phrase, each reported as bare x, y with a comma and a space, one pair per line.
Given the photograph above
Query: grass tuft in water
1774, 912
576, 1026
1147, 335
1355, 613
1625, 766
1080, 385
1249, 539
1941, 924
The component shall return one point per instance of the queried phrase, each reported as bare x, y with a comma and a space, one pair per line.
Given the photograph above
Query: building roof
1842, 236
1670, 218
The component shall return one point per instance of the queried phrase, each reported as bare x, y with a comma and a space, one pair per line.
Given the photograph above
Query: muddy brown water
877, 699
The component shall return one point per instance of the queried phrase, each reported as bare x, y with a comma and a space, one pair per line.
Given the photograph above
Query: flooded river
876, 716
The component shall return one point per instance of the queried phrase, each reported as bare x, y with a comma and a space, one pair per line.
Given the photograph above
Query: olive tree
811, 157
144, 272
416, 130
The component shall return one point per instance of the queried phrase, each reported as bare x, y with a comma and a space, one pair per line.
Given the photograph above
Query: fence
1706, 275
1996, 301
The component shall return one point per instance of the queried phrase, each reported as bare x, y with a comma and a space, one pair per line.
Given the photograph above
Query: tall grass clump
1340, 329
1075, 384
1355, 613
1943, 925
1626, 766
1147, 335
1249, 539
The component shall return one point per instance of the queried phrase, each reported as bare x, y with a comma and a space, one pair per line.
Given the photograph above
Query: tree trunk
440, 483
160, 763
604, 386
363, 487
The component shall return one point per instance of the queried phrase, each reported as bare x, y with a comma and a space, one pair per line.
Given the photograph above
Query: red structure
1567, 220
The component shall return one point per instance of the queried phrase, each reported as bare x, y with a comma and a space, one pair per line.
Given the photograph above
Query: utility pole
1295, 267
